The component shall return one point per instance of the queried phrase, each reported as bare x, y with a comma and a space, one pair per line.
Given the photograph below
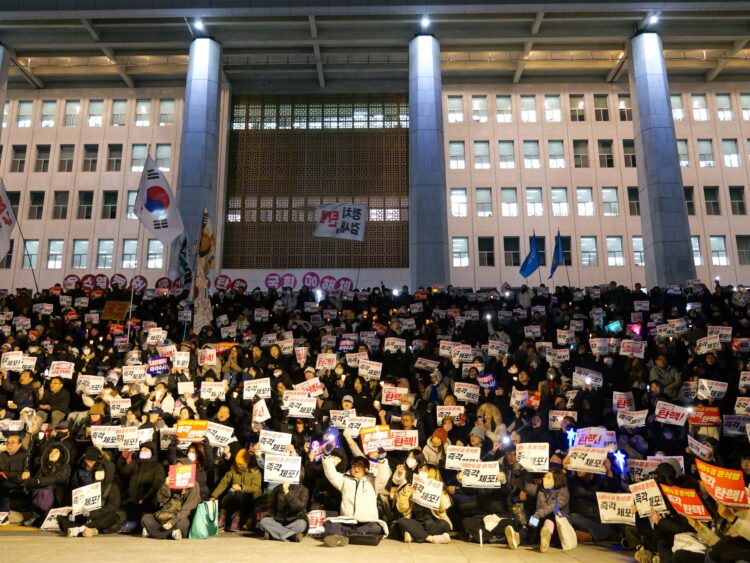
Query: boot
235, 524
222, 519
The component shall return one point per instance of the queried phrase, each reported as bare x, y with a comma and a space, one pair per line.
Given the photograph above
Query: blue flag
557, 256
531, 263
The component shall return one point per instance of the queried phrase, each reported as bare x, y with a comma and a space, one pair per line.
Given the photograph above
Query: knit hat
479, 432
93, 453
97, 408
441, 434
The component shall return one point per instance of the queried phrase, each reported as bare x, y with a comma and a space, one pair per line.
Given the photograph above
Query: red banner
705, 416
725, 485
686, 502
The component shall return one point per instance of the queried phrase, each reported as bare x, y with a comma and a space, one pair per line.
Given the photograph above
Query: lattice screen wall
287, 156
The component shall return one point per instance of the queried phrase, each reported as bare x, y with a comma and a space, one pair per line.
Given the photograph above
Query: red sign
102, 281
328, 283
88, 282
311, 280
344, 284
222, 282
118, 280
289, 280
239, 286
181, 476
163, 283
273, 281
686, 502
70, 281
725, 485
139, 284
705, 416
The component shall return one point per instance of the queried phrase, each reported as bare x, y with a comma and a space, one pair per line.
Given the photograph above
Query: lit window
610, 207
560, 202
534, 206
460, 252
55, 254
457, 155
531, 154
700, 109
615, 255
25, 109
479, 109
509, 202
459, 202
556, 154
588, 252
506, 155
455, 109
552, 109
503, 109
718, 251
585, 202
155, 258
482, 155
104, 254
528, 109
143, 113
638, 257
96, 113
129, 254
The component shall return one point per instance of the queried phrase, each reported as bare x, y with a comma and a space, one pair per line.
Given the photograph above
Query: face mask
99, 475
404, 408
145, 454
87, 351
411, 463
609, 361
192, 456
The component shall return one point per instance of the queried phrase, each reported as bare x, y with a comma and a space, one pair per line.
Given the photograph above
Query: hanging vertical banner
7, 221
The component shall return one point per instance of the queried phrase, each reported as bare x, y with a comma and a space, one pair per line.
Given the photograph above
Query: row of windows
556, 158
79, 259
585, 201
90, 158
527, 108
302, 209
48, 113
589, 253
84, 205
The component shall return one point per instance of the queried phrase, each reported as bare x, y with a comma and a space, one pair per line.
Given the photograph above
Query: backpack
205, 521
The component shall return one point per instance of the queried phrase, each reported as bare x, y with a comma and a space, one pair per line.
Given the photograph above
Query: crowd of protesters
393, 404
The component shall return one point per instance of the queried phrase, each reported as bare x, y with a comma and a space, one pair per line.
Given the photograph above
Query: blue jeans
598, 531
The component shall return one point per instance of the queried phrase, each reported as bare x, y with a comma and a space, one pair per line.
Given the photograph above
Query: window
119, 113
109, 205
737, 199
606, 157
166, 112
60, 207
588, 251
610, 206
96, 113
23, 117
528, 109
138, 159
479, 109
142, 113
706, 153
114, 158
628, 149
556, 154
577, 107
130, 253
724, 107
55, 254
743, 250
66, 158
689, 199
164, 157
560, 202
486, 246
585, 201
72, 111
534, 202
615, 255
482, 155
49, 111
30, 254
507, 154
90, 156
678, 112
531, 154
512, 251
580, 154
695, 242
638, 257
484, 202
700, 109
14, 198
634, 201
718, 250
80, 254
459, 202
457, 155
36, 205
552, 109
711, 196
682, 153
455, 109
745, 106
730, 152
5, 114
460, 252
85, 204
155, 257
541, 248
601, 107
503, 109
42, 158
130, 205
18, 163
626, 110
567, 252
7, 261
509, 202
104, 253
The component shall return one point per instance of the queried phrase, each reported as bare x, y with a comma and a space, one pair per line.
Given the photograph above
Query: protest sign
50, 523
355, 424
615, 508
88, 497
456, 455
426, 492
404, 440
633, 348
186, 388
533, 456
686, 502
700, 449
260, 412
588, 460
670, 414
213, 391
260, 388
375, 437
555, 417
302, 407
282, 468
206, 357
191, 430
181, 476
726, 486
467, 392
723, 332
707, 344
709, 389
219, 435
392, 395
453, 411
623, 401
339, 418
370, 370
63, 370
641, 469
274, 442
480, 474
632, 419
647, 498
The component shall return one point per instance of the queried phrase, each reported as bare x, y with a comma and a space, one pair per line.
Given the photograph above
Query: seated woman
421, 524
172, 520
243, 481
50, 481
104, 520
287, 512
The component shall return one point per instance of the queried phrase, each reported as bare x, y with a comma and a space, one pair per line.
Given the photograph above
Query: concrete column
199, 145
664, 219
4, 63
428, 220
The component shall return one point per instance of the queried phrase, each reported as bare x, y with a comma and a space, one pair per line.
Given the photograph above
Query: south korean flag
155, 205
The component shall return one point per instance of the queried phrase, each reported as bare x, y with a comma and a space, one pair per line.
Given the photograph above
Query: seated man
172, 520
287, 514
359, 519
13, 471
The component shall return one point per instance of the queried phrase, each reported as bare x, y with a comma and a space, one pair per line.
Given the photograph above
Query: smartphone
533, 521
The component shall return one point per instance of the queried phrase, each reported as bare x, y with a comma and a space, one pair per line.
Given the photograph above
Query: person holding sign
287, 512
103, 517
50, 482
146, 475
176, 499
420, 523
242, 485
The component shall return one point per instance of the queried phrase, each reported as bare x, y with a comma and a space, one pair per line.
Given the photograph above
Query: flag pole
132, 285
194, 273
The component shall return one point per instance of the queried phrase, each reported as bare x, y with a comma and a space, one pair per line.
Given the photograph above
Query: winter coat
53, 475
249, 481
669, 377
409, 509
181, 502
545, 502
146, 477
288, 507
13, 465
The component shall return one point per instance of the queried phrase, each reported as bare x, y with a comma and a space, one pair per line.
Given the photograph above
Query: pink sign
140, 284
88, 282
239, 285
119, 280
163, 283
344, 284
273, 281
102, 281
328, 283
176, 287
311, 280
70, 281
289, 280
222, 282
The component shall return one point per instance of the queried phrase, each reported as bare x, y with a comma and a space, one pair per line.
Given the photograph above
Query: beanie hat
93, 453
441, 434
97, 408
478, 432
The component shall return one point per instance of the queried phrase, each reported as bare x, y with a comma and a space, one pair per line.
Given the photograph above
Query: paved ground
19, 545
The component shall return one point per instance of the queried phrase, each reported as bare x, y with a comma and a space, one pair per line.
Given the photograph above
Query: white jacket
359, 497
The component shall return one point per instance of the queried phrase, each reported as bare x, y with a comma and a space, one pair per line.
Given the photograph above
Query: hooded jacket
248, 478
288, 507
146, 476
55, 475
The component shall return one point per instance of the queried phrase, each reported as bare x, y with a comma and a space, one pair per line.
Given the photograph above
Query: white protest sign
583, 377
641, 469
312, 387
282, 468
274, 442
647, 498
480, 474
710, 389
633, 348
326, 361
707, 344
558, 355
497, 348
219, 435
63, 370
206, 357
588, 460
356, 423
353, 360
533, 456
302, 407
467, 392
615, 508
453, 411
426, 492
392, 395
455, 455
11, 361
370, 370
260, 411
700, 449
50, 521
260, 388
565, 337
213, 390
87, 498
185, 387
519, 399
555, 417
339, 418
394, 345
723, 332
127, 438
118, 408
104, 437
671, 414
742, 406
404, 440
622, 401
632, 419
599, 346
